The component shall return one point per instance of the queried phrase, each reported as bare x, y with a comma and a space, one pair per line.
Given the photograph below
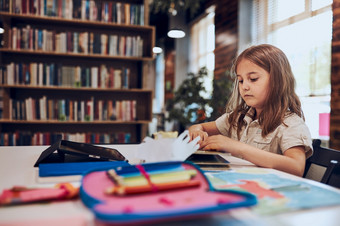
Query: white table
16, 168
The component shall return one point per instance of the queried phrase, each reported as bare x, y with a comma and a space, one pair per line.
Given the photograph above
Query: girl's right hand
198, 133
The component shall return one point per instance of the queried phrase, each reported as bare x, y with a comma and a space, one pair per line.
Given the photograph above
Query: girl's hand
220, 143
202, 130
198, 133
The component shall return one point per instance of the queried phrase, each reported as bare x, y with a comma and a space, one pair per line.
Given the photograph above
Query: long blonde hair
281, 99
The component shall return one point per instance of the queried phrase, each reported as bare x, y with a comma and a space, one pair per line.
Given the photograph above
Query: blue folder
74, 168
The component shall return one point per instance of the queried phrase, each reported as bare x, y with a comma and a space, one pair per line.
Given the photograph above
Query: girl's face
253, 84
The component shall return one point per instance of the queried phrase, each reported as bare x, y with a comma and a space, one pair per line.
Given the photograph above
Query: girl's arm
293, 160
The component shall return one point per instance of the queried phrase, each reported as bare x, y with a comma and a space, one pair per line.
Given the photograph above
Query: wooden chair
327, 158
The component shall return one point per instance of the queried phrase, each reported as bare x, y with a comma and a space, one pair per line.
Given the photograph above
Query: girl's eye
253, 79
240, 81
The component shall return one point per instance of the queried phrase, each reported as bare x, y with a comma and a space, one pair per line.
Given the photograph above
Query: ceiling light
176, 33
157, 50
1, 30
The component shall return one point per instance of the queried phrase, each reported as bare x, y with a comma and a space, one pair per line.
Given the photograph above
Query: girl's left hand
219, 143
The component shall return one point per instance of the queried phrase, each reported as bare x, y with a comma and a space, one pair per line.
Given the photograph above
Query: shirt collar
248, 118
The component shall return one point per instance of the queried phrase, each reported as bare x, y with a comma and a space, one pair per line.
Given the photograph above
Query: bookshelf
75, 71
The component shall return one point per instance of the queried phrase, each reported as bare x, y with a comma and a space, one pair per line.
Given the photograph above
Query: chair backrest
327, 158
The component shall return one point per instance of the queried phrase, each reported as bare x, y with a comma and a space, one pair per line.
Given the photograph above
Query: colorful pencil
112, 174
128, 190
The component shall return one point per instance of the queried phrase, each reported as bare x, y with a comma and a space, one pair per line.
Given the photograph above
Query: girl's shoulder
293, 123
293, 118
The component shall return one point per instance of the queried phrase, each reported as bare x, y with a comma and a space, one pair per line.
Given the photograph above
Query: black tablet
69, 151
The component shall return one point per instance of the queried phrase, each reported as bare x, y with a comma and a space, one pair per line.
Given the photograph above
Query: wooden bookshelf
104, 76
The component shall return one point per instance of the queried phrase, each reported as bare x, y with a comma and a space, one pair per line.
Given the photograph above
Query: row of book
47, 138
106, 11
45, 74
72, 110
30, 38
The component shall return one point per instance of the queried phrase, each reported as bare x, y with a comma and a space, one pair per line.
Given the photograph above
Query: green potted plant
222, 89
189, 106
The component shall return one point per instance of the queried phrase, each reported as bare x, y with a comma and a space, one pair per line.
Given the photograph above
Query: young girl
264, 122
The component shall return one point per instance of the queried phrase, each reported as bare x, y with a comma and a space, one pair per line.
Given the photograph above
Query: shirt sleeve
222, 124
296, 134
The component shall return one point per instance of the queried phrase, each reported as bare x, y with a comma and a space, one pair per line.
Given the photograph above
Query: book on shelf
83, 43
22, 38
71, 110
104, 44
42, 74
105, 11
113, 40
125, 78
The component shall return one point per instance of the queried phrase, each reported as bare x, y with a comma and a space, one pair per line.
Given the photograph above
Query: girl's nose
245, 86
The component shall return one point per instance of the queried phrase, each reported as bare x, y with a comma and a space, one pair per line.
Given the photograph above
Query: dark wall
226, 34
335, 79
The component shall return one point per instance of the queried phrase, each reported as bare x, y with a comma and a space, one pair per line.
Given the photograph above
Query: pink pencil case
156, 205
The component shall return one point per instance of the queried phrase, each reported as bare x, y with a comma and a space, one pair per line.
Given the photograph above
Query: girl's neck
257, 113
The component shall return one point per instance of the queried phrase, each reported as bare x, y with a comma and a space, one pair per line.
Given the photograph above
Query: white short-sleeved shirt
293, 132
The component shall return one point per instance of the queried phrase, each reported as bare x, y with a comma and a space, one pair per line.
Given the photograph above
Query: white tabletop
16, 168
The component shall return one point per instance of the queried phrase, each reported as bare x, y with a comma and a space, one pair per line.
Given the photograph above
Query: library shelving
74, 69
